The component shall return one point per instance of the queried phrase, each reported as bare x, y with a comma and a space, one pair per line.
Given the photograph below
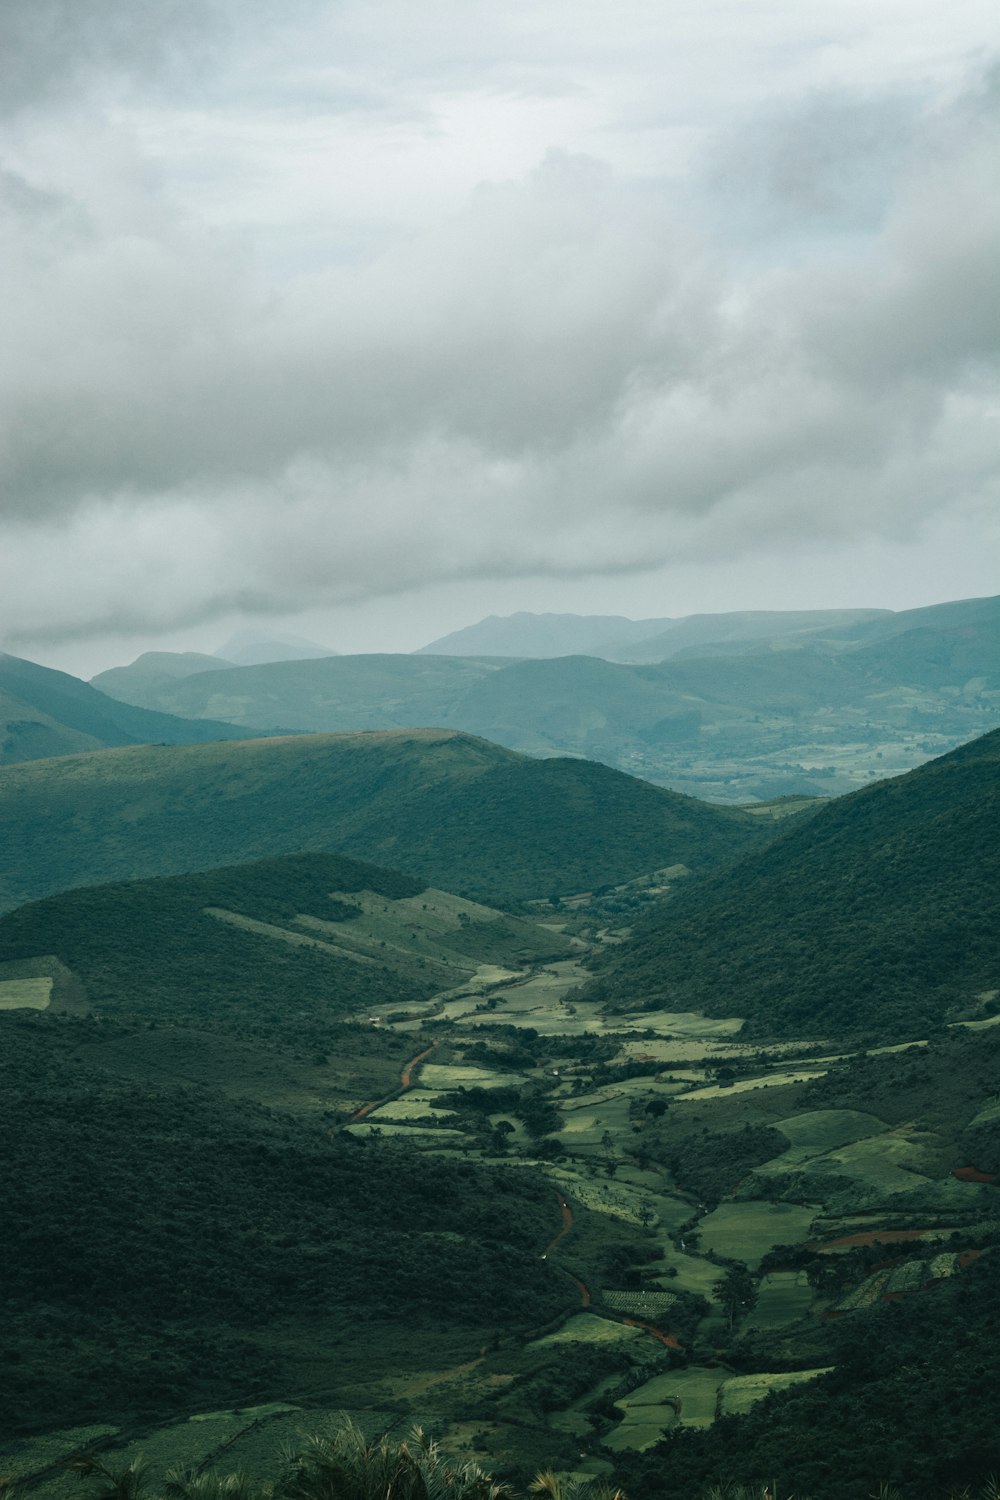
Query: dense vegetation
461, 813
151, 949
876, 917
911, 1402
157, 1235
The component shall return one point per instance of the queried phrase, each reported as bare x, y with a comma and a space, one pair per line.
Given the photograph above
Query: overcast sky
362, 319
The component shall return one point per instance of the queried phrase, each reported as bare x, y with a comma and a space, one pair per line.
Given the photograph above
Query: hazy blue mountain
956, 614
141, 681
525, 634
248, 650
45, 713
617, 638
743, 631
326, 694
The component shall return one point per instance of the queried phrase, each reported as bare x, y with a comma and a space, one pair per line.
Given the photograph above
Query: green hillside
462, 814
45, 713
877, 916
278, 948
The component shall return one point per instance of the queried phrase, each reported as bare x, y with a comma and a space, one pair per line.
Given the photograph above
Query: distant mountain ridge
756, 717
44, 713
617, 638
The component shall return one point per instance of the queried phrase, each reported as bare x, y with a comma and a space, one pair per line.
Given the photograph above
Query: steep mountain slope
44, 712
462, 813
876, 917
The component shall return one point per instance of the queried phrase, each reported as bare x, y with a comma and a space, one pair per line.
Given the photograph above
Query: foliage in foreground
348, 1466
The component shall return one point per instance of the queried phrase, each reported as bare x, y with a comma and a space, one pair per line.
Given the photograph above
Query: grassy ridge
878, 915
457, 811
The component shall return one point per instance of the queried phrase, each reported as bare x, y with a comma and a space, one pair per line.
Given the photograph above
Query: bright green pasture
588, 1328
601, 1194
782, 1298
436, 910
449, 1076
823, 1130
745, 1085
640, 1428
413, 1105
690, 1023
694, 1390
25, 994
979, 1025
743, 1391
747, 1231
583, 1126
694, 1273
887, 1163
425, 1135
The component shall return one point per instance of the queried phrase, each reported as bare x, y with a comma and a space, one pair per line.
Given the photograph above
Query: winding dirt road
405, 1082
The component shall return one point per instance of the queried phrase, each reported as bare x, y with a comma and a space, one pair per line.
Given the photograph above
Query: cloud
571, 369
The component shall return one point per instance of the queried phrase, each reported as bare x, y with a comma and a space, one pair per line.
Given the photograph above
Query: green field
747, 1231
743, 1391
25, 994
782, 1298
588, 1328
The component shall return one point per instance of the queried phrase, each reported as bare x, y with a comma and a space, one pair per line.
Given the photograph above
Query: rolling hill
459, 812
877, 917
45, 713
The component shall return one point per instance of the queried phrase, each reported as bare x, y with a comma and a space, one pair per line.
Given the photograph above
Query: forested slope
877, 915
459, 812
